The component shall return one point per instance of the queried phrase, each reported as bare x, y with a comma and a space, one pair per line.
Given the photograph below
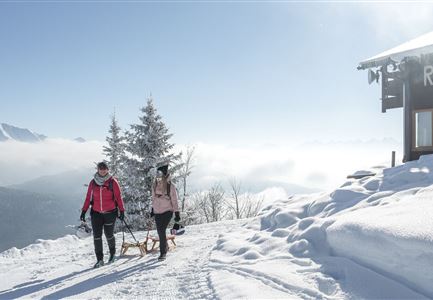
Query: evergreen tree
115, 150
115, 156
147, 145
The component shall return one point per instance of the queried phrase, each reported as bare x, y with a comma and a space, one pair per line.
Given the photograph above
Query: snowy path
223, 260
60, 269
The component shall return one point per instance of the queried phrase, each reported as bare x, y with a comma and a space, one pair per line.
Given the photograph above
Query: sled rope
130, 231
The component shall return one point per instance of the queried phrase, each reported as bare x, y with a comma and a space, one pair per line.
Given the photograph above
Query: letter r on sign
428, 72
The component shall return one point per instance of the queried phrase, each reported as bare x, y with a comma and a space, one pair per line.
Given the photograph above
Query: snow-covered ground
371, 238
54, 269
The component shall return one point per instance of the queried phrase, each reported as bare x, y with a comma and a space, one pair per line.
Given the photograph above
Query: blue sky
228, 73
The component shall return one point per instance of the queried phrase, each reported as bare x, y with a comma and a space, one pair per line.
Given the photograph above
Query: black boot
98, 264
162, 256
111, 259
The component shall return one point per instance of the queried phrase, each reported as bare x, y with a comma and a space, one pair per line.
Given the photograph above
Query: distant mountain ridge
9, 132
12, 133
80, 140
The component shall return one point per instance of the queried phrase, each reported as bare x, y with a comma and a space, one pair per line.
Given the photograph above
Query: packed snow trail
224, 260
63, 268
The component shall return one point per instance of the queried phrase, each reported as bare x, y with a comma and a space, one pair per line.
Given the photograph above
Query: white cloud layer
20, 162
313, 166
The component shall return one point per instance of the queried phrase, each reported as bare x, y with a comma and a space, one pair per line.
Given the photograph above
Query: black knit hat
102, 166
163, 169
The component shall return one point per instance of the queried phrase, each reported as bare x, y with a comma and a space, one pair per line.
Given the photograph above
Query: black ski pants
162, 221
103, 222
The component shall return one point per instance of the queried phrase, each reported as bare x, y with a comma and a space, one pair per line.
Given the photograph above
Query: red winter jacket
103, 197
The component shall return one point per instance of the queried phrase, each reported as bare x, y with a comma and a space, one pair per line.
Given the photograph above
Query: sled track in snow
194, 280
271, 281
184, 275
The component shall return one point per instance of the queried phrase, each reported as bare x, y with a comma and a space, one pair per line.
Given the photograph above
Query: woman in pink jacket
164, 203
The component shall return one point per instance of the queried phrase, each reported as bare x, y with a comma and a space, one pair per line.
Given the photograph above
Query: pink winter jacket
163, 203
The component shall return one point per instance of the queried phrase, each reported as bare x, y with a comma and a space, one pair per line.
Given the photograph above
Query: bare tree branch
185, 172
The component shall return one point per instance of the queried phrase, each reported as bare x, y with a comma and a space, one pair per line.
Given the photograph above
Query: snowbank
395, 238
370, 238
391, 231
42, 246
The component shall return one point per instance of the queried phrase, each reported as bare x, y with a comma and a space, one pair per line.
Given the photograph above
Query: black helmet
177, 229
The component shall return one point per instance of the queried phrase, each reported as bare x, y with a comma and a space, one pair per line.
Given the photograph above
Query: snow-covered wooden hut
406, 76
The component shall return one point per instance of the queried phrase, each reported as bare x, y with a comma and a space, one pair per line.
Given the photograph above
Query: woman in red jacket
105, 197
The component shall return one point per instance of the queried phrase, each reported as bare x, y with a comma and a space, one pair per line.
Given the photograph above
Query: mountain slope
27, 216
41, 208
68, 186
13, 133
9, 132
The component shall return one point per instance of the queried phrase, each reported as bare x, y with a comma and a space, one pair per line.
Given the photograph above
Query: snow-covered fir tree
115, 150
115, 155
147, 145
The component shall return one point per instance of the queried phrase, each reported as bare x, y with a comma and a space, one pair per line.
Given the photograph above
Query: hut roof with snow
415, 47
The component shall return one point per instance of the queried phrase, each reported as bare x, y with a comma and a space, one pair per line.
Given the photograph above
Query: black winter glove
122, 215
152, 214
83, 216
177, 216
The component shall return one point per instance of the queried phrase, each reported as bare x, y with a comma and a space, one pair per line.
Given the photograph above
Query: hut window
423, 129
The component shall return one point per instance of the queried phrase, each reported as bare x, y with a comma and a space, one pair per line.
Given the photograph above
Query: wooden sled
143, 245
155, 241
